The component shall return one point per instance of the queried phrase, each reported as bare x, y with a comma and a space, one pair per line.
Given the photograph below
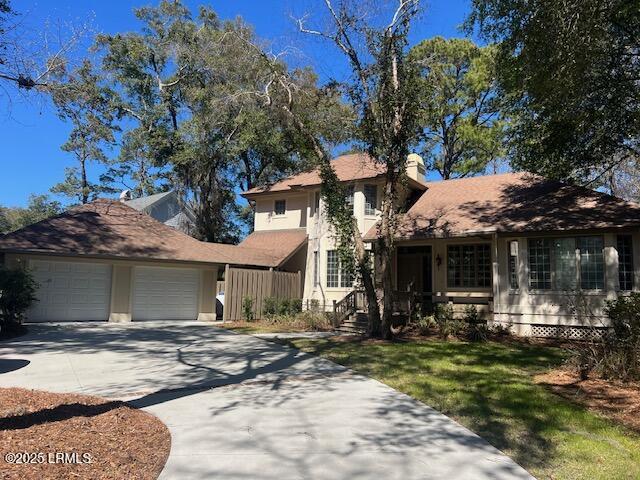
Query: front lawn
489, 388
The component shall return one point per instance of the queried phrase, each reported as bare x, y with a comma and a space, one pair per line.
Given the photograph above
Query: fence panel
257, 284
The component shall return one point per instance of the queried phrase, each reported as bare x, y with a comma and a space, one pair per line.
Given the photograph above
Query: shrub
283, 306
247, 309
17, 294
445, 321
476, 326
295, 306
304, 321
269, 307
423, 324
314, 305
617, 354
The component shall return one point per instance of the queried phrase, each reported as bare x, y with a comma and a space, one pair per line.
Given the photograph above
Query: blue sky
30, 133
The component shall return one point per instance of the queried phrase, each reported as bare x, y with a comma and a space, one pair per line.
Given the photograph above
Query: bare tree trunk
83, 182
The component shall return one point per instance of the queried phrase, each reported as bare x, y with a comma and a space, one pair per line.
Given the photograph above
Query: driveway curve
239, 407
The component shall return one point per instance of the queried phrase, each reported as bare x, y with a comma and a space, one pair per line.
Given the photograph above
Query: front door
414, 269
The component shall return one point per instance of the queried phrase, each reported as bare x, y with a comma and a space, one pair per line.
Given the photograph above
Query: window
280, 207
564, 264
333, 276
625, 262
370, 199
316, 269
553, 263
540, 263
469, 265
337, 276
512, 264
349, 194
316, 203
591, 263
346, 277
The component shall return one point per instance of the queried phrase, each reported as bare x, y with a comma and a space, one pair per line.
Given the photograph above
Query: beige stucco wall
207, 307
295, 215
121, 288
122, 281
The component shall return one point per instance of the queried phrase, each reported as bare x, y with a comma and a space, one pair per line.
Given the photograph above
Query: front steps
356, 324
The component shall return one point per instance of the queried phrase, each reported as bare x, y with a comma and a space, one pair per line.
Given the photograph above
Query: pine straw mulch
616, 400
122, 442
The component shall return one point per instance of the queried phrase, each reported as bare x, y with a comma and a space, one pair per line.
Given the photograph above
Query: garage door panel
71, 291
162, 293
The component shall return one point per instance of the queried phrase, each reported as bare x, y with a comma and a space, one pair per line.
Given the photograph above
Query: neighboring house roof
511, 202
348, 168
146, 202
280, 244
108, 228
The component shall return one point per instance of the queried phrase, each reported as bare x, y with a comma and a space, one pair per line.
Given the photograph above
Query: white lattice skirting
567, 331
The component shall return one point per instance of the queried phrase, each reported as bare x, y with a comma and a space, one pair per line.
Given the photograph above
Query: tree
38, 208
460, 110
85, 103
139, 69
570, 70
383, 94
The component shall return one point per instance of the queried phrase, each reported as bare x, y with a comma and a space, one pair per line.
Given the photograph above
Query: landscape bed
102, 439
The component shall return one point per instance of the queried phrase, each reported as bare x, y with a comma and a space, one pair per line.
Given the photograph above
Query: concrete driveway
239, 407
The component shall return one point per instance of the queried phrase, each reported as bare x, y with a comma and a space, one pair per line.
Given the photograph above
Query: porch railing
352, 302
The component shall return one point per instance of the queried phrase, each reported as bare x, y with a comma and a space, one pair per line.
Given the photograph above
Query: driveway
239, 407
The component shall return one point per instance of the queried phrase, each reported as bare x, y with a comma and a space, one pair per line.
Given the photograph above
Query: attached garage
71, 291
105, 261
163, 293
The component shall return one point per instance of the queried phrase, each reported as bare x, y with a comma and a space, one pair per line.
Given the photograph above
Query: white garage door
71, 291
165, 293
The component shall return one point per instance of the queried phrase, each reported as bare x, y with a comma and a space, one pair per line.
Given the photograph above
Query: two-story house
292, 208
537, 255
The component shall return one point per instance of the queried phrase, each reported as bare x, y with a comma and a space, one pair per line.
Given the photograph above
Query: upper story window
370, 199
469, 266
280, 207
316, 203
624, 244
349, 195
553, 263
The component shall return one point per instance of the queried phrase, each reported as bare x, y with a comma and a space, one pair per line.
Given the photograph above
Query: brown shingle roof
280, 244
348, 168
107, 228
511, 202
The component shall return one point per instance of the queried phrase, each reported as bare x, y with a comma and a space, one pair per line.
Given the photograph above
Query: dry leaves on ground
616, 400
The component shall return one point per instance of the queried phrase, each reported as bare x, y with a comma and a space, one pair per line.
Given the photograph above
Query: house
539, 256
165, 208
294, 205
106, 261
533, 254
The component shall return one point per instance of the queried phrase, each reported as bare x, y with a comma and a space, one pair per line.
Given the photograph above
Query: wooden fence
258, 285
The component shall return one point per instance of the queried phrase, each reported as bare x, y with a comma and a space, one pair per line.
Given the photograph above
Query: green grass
489, 388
